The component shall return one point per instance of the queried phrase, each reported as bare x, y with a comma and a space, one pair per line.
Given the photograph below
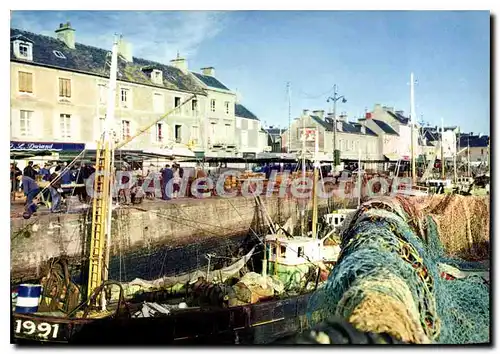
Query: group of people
167, 174
57, 175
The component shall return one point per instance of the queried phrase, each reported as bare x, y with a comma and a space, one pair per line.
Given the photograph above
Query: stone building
59, 94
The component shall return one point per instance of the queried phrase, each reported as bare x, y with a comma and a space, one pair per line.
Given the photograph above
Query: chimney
320, 113
368, 115
66, 34
343, 116
208, 71
180, 63
339, 125
125, 50
305, 112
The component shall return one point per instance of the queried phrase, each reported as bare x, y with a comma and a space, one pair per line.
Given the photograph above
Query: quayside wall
153, 239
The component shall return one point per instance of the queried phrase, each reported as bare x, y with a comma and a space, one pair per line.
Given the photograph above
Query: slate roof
323, 123
92, 60
474, 140
431, 133
210, 81
275, 131
367, 130
347, 127
243, 112
399, 117
386, 128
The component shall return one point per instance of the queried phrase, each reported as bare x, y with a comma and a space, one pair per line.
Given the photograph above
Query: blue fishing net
382, 254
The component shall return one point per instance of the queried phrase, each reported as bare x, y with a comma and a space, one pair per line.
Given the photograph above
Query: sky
369, 55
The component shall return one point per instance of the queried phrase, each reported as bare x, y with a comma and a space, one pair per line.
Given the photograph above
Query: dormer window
157, 76
23, 50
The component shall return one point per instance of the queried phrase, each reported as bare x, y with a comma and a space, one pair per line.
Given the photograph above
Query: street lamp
334, 99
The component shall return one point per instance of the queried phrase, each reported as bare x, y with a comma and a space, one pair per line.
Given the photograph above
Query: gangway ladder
100, 207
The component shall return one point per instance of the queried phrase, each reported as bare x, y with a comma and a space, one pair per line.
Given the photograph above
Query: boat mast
101, 205
442, 149
315, 186
359, 178
109, 123
289, 89
455, 164
303, 221
102, 190
412, 122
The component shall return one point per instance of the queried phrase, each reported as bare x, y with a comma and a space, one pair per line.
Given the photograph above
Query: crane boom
147, 127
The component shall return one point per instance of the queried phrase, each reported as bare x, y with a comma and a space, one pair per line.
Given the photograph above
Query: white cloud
155, 35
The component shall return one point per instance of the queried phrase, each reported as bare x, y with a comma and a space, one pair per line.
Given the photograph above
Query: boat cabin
291, 259
337, 218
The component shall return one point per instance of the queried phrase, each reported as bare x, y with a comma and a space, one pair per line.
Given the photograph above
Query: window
226, 104
159, 132
25, 82
244, 138
124, 97
178, 135
194, 106
482, 151
238, 123
25, 123
339, 147
23, 50
300, 252
125, 129
283, 251
177, 101
65, 123
59, 54
212, 105
103, 94
64, 88
158, 103
195, 133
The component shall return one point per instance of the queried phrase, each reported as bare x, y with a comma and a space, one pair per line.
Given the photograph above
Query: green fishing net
387, 256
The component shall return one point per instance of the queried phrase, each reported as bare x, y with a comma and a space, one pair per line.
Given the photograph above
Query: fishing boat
194, 308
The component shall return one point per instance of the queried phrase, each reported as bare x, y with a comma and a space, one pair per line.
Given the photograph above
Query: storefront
39, 152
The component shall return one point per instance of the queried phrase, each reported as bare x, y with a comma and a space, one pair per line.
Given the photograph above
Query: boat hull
251, 324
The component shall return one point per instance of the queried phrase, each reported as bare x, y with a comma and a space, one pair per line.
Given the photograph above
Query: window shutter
61, 88
68, 83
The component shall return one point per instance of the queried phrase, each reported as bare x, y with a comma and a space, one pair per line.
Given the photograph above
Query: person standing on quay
166, 174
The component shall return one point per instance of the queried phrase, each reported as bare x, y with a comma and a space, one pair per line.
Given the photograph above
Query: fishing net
388, 279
